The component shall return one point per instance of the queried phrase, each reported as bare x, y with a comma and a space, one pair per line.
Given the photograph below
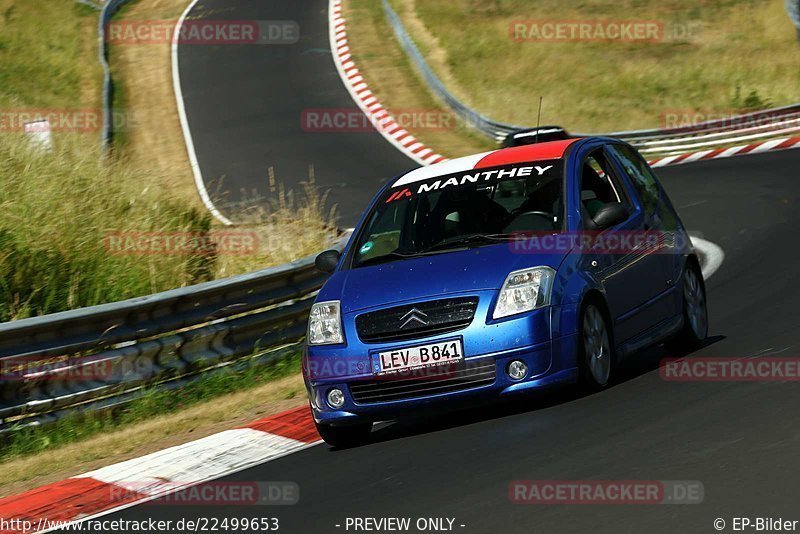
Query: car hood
423, 277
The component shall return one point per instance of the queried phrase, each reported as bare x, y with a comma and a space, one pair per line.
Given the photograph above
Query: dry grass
222, 413
738, 49
296, 224
57, 210
153, 139
741, 55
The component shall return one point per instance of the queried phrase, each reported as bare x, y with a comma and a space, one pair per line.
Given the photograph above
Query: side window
599, 185
641, 176
385, 236
645, 184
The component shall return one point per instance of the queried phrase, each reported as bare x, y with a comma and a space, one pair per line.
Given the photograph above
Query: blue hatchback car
496, 274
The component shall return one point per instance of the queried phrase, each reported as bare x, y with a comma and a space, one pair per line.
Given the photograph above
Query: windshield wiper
463, 241
389, 256
442, 246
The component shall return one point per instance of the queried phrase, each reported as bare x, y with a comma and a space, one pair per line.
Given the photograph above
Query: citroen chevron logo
414, 315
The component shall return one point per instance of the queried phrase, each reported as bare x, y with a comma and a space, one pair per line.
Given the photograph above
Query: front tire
595, 350
695, 313
344, 436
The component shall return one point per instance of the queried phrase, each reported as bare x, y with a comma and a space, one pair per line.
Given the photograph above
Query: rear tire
695, 313
344, 436
595, 347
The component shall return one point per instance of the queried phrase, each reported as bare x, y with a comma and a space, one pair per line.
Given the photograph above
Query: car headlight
325, 324
524, 290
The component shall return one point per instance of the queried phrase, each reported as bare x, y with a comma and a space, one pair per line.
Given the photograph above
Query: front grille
466, 376
416, 320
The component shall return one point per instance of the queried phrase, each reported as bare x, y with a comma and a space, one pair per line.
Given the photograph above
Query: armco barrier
657, 143
793, 8
105, 355
110, 7
752, 127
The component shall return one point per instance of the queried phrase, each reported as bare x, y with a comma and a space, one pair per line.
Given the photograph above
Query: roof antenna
538, 121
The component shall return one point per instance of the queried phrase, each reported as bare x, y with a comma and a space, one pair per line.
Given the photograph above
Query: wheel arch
693, 259
595, 296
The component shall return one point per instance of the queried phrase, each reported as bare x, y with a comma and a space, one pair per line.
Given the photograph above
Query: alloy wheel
597, 347
695, 299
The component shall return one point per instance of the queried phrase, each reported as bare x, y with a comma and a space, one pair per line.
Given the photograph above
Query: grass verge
48, 56
392, 79
158, 420
76, 233
717, 58
151, 138
57, 210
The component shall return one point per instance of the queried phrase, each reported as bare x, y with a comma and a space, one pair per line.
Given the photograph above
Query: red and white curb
386, 125
135, 481
719, 153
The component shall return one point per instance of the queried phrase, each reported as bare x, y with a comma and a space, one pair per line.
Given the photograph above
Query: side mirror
327, 261
609, 215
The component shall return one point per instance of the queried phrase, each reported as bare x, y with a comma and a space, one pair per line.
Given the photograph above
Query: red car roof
503, 156
519, 154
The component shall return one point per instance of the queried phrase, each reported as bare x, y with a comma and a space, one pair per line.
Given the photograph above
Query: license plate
417, 357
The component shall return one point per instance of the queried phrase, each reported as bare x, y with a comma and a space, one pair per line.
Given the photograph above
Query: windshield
472, 208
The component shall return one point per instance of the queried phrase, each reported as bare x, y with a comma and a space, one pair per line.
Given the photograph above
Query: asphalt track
739, 439
245, 104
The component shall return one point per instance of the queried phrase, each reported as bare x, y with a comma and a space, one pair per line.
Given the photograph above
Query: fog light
517, 370
336, 398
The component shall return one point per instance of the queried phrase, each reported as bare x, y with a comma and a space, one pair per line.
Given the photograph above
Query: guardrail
90, 3
109, 9
106, 355
793, 8
746, 128
757, 126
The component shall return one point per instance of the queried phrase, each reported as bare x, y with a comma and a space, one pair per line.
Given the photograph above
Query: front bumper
525, 337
